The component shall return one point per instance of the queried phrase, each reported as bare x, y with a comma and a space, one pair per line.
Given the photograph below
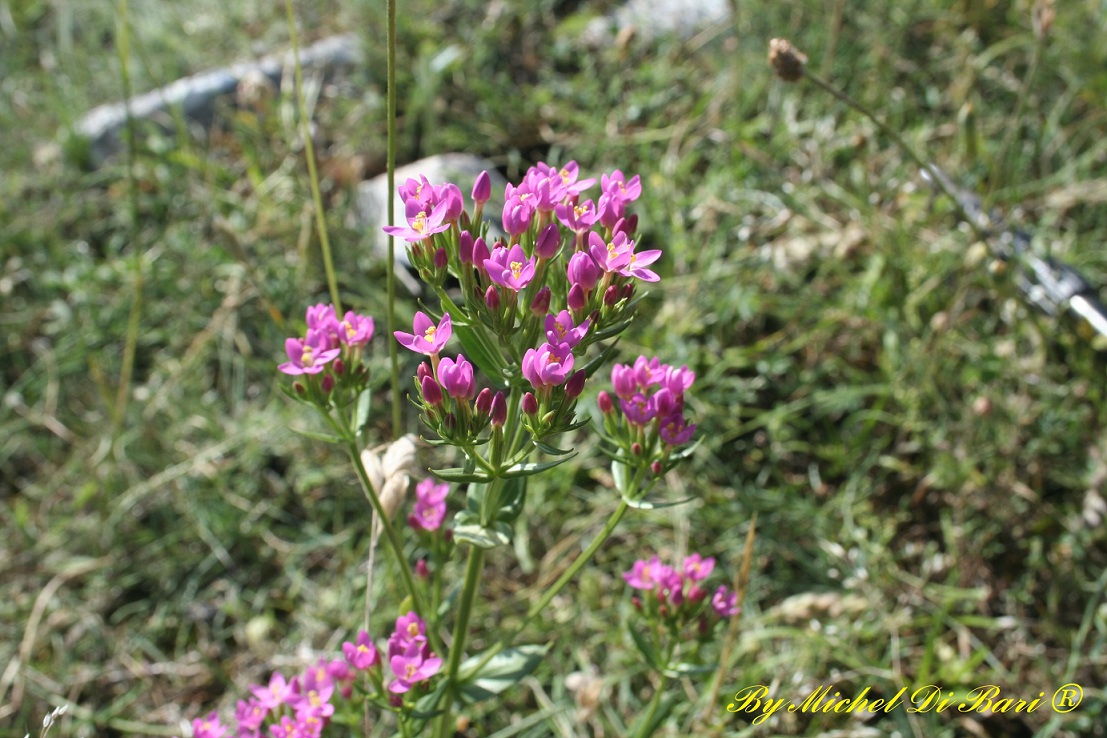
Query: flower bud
627, 291
449, 424
611, 296
619, 227
632, 225
697, 594
576, 299
339, 367
465, 247
636, 448
483, 404
480, 253
607, 406
328, 383
549, 241
421, 569
655, 467
498, 413
441, 260
492, 298
432, 393
298, 388
575, 385
482, 188
424, 370
540, 305
530, 404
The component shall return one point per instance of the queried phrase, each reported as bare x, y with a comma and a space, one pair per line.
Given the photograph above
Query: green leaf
649, 505
490, 363
530, 468
480, 536
649, 653
318, 436
504, 670
361, 415
684, 669
551, 450
427, 706
460, 475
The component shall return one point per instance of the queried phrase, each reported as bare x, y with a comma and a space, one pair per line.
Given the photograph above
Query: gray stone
652, 19
371, 207
195, 96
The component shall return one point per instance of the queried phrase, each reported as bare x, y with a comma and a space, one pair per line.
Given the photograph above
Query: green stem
655, 702
390, 267
126, 371
309, 152
393, 540
888, 131
461, 627
544, 601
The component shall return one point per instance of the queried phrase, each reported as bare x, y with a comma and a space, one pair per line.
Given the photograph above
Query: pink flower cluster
680, 590
651, 395
409, 654
302, 707
296, 708
429, 209
326, 339
430, 505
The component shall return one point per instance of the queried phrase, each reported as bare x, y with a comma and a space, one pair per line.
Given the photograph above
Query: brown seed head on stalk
786, 59
1044, 14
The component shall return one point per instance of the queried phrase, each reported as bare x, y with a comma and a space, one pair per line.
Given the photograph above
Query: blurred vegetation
925, 457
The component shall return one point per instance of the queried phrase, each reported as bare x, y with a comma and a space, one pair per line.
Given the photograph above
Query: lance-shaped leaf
530, 468
505, 669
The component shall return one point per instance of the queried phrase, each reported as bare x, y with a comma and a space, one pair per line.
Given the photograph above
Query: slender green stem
655, 702
574, 568
392, 538
887, 130
309, 152
390, 267
461, 628
134, 318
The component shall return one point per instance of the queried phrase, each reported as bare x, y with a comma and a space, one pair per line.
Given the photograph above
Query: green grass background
926, 459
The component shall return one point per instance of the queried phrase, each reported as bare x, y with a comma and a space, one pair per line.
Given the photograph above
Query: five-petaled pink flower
421, 225
361, 654
428, 338
548, 365
308, 355
510, 267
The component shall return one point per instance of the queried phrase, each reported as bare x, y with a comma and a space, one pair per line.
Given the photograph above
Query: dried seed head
1043, 18
786, 59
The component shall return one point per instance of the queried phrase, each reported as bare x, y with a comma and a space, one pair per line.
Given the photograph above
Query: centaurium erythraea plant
534, 314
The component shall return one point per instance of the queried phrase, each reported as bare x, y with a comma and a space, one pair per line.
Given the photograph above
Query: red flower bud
492, 298
465, 247
576, 299
607, 405
482, 188
339, 367
421, 569
549, 241
483, 403
328, 383
432, 393
655, 467
540, 305
441, 259
611, 296
575, 385
530, 404
499, 410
